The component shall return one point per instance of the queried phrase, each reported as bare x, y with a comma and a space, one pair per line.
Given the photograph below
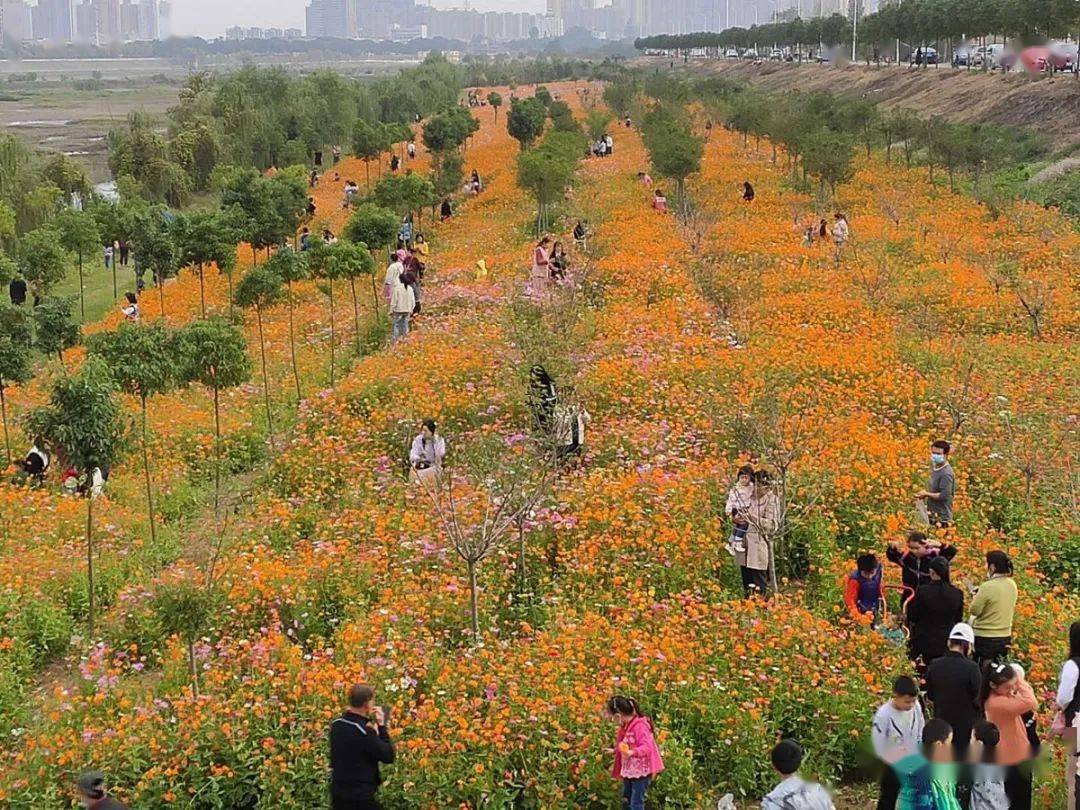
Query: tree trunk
115, 294
82, 290
90, 557
3, 417
473, 604
292, 344
228, 278
217, 457
333, 339
193, 668
146, 473
202, 290
266, 378
367, 173
161, 294
521, 554
374, 296
356, 314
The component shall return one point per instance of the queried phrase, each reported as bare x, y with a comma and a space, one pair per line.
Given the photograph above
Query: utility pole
854, 26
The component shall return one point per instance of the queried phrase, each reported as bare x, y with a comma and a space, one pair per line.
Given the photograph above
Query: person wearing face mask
993, 609
938, 498
92, 793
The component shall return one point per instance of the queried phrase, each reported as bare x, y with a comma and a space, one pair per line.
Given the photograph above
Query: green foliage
673, 148
543, 95
67, 175
827, 155
496, 101
525, 121
369, 140
184, 609
140, 152
141, 357
403, 193
288, 265
562, 119
152, 242
260, 287
54, 325
449, 129
9, 269
213, 352
372, 226
447, 174
620, 95
79, 233
205, 237
44, 260
16, 343
84, 417
546, 170
596, 123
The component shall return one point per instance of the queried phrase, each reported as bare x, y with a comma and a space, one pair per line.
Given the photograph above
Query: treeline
822, 133
912, 22
262, 117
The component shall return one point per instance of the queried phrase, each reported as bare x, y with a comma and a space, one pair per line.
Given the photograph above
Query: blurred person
92, 794
793, 792
988, 777
937, 748
1006, 698
953, 687
896, 734
1068, 703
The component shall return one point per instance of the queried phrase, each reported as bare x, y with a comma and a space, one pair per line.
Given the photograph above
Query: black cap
92, 784
787, 756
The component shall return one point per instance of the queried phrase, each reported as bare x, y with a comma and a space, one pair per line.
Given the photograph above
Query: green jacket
993, 607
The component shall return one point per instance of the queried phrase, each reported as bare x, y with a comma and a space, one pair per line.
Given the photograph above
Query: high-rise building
16, 21
332, 18
54, 20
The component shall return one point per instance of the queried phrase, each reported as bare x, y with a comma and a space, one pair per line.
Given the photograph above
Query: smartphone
386, 716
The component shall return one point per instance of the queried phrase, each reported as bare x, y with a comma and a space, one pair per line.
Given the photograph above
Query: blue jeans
633, 792
401, 325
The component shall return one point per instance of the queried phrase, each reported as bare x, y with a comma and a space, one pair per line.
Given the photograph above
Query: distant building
408, 33
54, 20
273, 33
16, 21
293, 33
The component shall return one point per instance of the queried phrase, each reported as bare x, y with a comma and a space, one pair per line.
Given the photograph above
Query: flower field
691, 346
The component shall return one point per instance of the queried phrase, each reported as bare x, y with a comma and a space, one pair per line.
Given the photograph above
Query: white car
731, 53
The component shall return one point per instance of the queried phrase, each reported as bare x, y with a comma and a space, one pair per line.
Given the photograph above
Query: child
897, 735
988, 784
863, 594
794, 793
738, 501
637, 759
937, 748
915, 562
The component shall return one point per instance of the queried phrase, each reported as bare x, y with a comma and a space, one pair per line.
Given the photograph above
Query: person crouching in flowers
637, 757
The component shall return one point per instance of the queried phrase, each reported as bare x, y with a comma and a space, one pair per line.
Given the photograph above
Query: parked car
921, 56
776, 54
731, 53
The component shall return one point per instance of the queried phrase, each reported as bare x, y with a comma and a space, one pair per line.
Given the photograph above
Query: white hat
962, 632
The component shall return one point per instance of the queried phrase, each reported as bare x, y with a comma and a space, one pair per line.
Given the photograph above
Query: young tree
16, 344
446, 177
155, 249
546, 171
353, 260
79, 234
596, 123
259, 289
44, 259
184, 610
369, 142
290, 266
404, 193
213, 352
141, 359
674, 150
376, 228
827, 155
525, 121
321, 261
86, 419
54, 326
202, 238
495, 100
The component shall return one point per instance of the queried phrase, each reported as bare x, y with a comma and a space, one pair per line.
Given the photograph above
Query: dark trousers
890, 790
337, 803
1018, 787
991, 649
754, 580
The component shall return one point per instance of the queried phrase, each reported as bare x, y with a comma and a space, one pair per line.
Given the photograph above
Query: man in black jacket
936, 609
952, 685
359, 741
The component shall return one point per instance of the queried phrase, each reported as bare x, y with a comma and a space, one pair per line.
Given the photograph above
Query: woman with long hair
993, 608
1006, 698
1068, 701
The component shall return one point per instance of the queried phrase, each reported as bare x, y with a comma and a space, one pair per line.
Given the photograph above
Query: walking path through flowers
337, 571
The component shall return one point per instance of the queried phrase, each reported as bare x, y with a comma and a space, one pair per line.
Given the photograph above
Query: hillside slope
1048, 105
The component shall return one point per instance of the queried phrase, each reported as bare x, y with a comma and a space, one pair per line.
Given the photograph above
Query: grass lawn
97, 286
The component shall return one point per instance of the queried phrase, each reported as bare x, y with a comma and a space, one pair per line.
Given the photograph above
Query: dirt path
1050, 105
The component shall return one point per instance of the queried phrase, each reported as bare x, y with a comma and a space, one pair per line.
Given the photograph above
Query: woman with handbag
1065, 723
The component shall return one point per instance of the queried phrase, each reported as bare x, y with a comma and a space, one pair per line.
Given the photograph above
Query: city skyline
210, 18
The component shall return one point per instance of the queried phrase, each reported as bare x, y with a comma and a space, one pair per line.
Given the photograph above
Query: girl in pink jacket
637, 758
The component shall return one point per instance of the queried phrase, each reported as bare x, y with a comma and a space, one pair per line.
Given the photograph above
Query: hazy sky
209, 18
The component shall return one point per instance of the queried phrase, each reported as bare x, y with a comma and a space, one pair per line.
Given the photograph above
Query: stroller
893, 626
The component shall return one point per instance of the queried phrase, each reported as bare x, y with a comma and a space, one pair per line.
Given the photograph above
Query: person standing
359, 742
896, 735
1007, 697
402, 304
540, 272
637, 757
762, 517
993, 609
1068, 702
938, 606
737, 508
748, 192
393, 271
938, 497
953, 685
125, 252
840, 234
17, 291
92, 793
108, 256
915, 561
